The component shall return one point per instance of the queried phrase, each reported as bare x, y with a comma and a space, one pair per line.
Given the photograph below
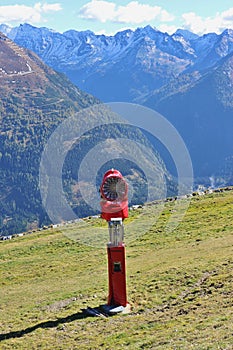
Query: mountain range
128, 65
35, 100
186, 77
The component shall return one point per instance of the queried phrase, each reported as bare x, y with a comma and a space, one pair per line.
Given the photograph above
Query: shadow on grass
46, 324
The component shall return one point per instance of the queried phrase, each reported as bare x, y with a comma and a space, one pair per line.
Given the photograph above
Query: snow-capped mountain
128, 65
186, 77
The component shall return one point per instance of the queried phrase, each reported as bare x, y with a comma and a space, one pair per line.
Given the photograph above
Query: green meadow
179, 283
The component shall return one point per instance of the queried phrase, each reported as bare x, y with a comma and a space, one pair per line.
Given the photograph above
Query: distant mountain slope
201, 108
34, 100
100, 64
128, 65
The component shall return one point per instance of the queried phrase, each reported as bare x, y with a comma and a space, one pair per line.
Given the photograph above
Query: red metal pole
117, 276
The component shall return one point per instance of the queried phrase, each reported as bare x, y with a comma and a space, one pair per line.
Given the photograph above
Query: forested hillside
34, 100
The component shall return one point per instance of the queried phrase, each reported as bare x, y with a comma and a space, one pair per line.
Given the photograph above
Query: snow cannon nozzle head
114, 194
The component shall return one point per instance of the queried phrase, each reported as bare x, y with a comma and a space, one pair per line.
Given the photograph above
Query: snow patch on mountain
126, 65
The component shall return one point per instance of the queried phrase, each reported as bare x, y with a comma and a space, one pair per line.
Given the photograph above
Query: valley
170, 74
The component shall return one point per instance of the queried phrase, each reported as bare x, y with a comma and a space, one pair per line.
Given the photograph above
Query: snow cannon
114, 196
114, 209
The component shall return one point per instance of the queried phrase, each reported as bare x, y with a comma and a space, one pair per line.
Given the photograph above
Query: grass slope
179, 286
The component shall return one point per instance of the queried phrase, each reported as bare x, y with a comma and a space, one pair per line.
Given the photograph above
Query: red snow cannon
114, 196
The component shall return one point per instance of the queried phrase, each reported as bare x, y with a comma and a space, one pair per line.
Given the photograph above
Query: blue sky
110, 16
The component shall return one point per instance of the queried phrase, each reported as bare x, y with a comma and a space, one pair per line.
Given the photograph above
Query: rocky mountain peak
144, 57
19, 66
186, 34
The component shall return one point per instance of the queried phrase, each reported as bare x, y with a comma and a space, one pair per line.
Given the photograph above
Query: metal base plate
106, 310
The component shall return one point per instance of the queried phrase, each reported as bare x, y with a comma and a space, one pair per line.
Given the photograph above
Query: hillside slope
173, 74
34, 101
179, 285
201, 109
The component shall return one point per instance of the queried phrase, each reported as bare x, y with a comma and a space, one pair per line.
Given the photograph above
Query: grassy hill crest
179, 285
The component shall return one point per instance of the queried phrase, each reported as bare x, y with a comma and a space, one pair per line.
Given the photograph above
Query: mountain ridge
146, 57
35, 100
140, 66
